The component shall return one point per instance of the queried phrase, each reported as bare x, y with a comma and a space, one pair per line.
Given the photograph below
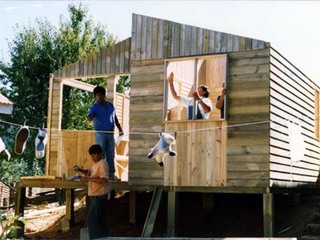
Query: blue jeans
97, 217
106, 141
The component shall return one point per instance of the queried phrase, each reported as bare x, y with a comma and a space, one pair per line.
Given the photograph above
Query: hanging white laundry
41, 142
3, 148
296, 142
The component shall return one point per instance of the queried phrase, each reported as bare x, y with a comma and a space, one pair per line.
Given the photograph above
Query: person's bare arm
220, 102
118, 126
172, 89
205, 107
79, 169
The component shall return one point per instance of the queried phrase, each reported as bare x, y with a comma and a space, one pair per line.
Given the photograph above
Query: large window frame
190, 73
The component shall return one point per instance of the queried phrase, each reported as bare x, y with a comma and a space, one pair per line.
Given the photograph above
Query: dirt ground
232, 215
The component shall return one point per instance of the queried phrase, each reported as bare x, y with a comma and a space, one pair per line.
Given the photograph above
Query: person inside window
203, 103
220, 102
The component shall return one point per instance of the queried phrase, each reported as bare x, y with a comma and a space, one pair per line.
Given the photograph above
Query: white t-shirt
188, 101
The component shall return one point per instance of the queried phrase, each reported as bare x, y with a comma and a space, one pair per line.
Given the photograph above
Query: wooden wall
262, 86
248, 105
54, 126
292, 98
146, 121
201, 154
110, 61
107, 63
154, 38
143, 56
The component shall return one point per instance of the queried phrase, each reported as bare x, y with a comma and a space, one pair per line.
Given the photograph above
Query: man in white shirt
204, 105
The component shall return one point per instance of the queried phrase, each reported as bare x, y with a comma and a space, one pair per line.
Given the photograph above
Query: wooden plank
292, 177
211, 41
188, 41
235, 43
205, 41
149, 42
165, 46
152, 213
268, 214
199, 41
278, 76
176, 40
223, 43
277, 58
194, 156
154, 38
160, 39
143, 32
217, 42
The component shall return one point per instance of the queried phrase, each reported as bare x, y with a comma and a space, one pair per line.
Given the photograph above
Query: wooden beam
77, 84
19, 210
70, 206
268, 214
171, 215
152, 213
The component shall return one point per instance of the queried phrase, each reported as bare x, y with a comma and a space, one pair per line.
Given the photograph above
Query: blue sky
292, 27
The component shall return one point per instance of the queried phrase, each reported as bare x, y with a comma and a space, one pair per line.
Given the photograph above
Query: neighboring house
267, 143
6, 195
6, 106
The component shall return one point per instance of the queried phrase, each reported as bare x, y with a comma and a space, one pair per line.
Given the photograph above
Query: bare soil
232, 215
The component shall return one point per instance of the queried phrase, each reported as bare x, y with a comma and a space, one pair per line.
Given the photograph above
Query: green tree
35, 52
124, 84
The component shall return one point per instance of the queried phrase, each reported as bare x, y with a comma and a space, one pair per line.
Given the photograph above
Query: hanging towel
296, 142
3, 148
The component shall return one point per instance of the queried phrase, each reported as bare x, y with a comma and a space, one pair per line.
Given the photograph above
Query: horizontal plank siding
291, 98
146, 114
248, 105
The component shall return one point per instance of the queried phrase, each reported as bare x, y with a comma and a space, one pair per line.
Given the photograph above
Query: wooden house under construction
266, 143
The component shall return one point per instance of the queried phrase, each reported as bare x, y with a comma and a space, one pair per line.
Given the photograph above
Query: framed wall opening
189, 74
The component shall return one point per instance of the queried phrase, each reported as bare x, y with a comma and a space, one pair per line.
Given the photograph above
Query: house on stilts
266, 143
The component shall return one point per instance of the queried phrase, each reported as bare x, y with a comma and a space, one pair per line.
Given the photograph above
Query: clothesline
143, 133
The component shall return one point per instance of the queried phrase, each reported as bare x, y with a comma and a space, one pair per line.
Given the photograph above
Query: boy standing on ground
103, 115
98, 189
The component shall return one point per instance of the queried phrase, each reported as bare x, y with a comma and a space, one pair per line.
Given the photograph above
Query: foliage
36, 52
124, 84
10, 225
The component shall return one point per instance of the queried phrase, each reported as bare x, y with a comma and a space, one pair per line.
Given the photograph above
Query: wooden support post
70, 206
171, 221
19, 210
132, 207
152, 213
268, 214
